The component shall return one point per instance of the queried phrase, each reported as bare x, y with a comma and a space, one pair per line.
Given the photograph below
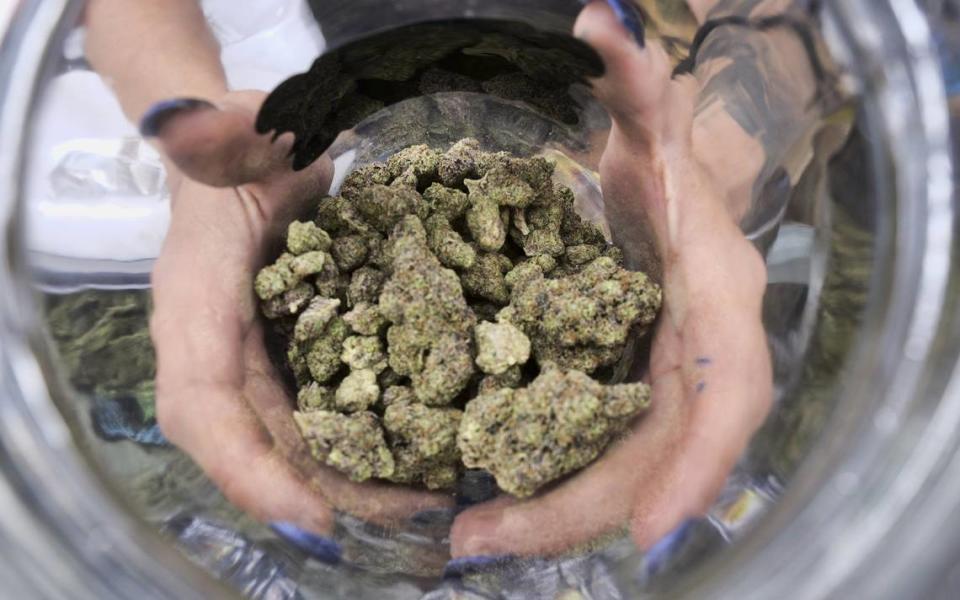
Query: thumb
216, 144
636, 89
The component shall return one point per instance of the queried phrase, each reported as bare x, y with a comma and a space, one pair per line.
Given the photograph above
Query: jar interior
96, 211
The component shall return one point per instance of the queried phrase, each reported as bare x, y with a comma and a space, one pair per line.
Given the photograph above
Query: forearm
152, 50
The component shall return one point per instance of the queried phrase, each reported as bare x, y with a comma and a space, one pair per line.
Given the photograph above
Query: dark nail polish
476, 486
658, 555
319, 547
470, 565
434, 517
163, 112
631, 18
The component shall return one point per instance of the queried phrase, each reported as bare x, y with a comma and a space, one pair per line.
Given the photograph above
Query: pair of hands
220, 399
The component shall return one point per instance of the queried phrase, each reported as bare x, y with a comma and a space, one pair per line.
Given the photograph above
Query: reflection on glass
713, 184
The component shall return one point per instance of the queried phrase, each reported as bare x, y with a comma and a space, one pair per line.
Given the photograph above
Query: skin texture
710, 369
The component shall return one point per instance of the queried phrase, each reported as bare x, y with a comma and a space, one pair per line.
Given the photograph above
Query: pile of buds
447, 310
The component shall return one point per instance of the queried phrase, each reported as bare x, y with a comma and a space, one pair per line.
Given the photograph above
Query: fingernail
470, 565
163, 112
151, 436
630, 16
660, 553
476, 486
319, 547
434, 517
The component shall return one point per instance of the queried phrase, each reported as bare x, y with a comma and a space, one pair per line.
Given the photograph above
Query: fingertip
630, 18
599, 18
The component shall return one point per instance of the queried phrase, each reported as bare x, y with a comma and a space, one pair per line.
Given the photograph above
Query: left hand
710, 367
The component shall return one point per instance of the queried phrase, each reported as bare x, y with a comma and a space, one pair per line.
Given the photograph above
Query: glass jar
843, 492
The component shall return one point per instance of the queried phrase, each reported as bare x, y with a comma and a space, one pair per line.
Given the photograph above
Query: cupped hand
219, 398
710, 368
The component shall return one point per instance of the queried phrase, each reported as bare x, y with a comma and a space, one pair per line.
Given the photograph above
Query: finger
216, 144
636, 87
214, 425
651, 134
591, 504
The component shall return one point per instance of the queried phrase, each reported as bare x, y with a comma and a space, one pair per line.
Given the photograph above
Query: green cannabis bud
447, 310
556, 425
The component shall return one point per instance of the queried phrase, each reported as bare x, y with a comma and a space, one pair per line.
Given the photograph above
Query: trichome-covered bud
288, 303
358, 391
350, 252
364, 352
352, 444
424, 443
303, 237
485, 279
446, 202
448, 245
556, 425
313, 397
459, 163
500, 346
365, 319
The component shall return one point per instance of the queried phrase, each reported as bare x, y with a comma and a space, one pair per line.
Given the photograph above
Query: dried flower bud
275, 279
350, 252
364, 352
365, 286
556, 425
364, 177
383, 207
314, 397
352, 444
484, 222
357, 392
421, 160
288, 303
306, 237
365, 319
313, 322
424, 443
446, 202
458, 163
500, 346
448, 245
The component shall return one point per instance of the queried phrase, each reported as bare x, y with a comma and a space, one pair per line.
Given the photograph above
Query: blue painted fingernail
630, 16
469, 565
151, 436
319, 547
662, 551
163, 112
